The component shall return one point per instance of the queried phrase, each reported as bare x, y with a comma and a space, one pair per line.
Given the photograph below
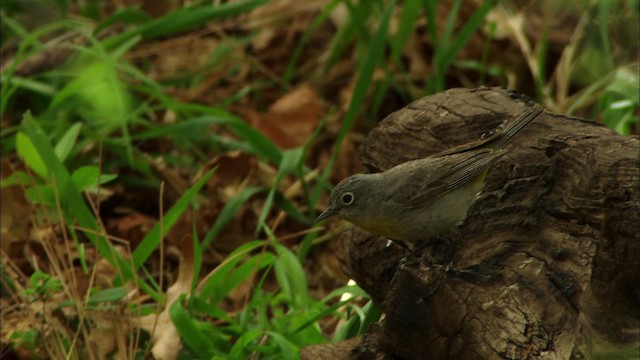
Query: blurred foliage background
163, 161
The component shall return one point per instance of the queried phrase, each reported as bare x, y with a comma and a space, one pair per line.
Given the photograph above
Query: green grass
84, 126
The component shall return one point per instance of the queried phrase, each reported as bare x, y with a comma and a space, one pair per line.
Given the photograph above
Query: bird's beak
325, 214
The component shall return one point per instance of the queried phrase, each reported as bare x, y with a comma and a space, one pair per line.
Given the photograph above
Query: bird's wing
425, 180
445, 174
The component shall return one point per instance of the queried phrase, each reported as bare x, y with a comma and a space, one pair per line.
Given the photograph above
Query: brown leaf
291, 119
16, 214
165, 337
234, 169
133, 226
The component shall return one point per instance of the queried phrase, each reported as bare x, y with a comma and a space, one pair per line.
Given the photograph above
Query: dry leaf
164, 335
291, 119
16, 213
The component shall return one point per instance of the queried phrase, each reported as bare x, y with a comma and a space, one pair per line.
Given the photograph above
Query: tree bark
547, 263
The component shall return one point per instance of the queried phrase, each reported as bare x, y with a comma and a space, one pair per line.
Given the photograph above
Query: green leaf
290, 208
408, 17
289, 165
190, 129
43, 284
204, 307
217, 335
98, 88
16, 178
240, 274
128, 16
466, 32
197, 257
190, 17
351, 290
26, 339
189, 330
72, 201
287, 349
314, 318
12, 25
369, 63
624, 83
449, 24
212, 281
35, 86
430, 11
30, 46
108, 295
184, 19
228, 212
619, 101
340, 42
88, 177
242, 345
448, 46
291, 276
152, 239
67, 141
327, 10
29, 154
358, 324
258, 143
121, 50
42, 194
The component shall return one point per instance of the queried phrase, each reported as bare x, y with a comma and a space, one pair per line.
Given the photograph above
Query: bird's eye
347, 198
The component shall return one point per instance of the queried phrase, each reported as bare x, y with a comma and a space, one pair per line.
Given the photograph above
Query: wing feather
451, 173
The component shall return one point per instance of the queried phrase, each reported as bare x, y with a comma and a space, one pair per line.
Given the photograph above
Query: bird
424, 198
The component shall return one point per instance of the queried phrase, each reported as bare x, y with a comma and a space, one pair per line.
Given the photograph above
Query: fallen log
547, 263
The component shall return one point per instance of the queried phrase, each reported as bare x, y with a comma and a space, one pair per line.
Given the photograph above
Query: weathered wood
341, 350
547, 264
361, 347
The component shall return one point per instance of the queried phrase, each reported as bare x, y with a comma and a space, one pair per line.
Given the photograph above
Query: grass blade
228, 212
408, 17
189, 330
152, 239
365, 74
71, 199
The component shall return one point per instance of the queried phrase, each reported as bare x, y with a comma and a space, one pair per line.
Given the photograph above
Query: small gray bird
423, 198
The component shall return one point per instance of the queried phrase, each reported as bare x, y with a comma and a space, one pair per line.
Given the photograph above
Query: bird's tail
502, 136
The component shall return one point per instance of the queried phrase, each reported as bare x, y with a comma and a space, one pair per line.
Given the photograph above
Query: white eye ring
347, 198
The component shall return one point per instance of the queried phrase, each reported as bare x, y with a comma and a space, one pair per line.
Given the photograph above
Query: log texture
547, 263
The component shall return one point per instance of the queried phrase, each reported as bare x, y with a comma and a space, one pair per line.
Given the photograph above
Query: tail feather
514, 126
501, 135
